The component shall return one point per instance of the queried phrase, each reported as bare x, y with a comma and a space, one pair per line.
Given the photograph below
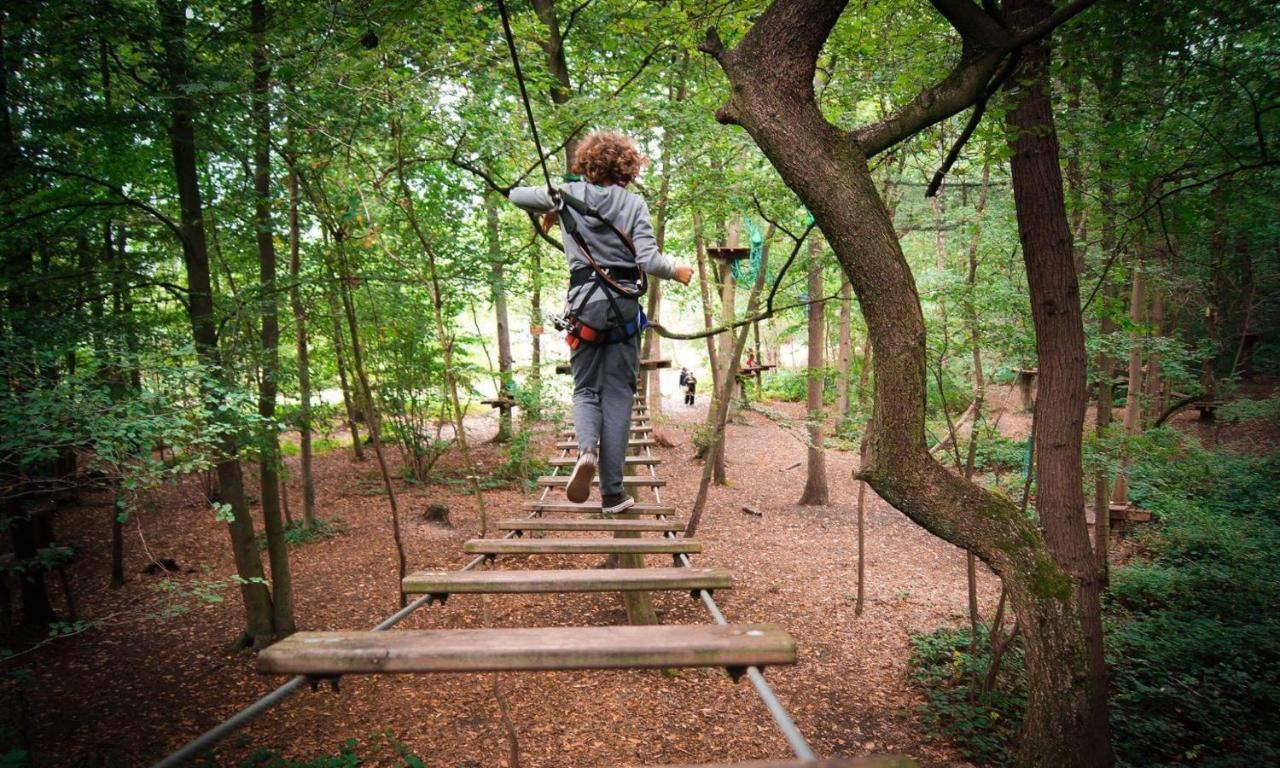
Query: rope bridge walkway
741, 649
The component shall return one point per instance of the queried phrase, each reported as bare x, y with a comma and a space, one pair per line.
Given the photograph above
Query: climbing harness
612, 280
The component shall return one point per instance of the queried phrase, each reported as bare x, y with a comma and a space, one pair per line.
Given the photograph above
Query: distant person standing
751, 359
684, 377
690, 387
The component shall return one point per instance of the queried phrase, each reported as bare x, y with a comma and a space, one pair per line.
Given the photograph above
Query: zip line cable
524, 94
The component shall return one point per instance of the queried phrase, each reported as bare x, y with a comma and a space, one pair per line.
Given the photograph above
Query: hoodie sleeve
532, 199
648, 257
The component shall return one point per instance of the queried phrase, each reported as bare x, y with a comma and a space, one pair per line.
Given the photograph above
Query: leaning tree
771, 73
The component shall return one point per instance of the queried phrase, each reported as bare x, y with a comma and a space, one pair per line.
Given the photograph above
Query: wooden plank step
588, 524
581, 546
653, 364
593, 507
528, 649
570, 580
642, 460
635, 481
835, 762
635, 442
634, 430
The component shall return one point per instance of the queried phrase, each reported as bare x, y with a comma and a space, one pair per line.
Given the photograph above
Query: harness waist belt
584, 275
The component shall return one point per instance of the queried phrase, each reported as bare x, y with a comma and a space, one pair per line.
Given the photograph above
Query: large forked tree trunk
269, 472
195, 251
815, 485
1063, 392
771, 71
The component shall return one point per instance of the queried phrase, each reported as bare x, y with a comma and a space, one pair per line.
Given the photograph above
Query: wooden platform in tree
613, 524
632, 481
635, 442
654, 364
528, 649
634, 460
593, 507
572, 580
729, 254
582, 546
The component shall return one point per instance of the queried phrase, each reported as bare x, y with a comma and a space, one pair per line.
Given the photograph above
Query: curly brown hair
605, 157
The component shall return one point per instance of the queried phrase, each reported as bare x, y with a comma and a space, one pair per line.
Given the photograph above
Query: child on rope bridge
610, 246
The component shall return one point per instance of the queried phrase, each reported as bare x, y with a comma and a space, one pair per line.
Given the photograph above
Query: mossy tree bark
1053, 283
771, 72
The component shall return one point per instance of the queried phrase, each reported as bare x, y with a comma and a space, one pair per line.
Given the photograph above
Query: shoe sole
621, 507
579, 487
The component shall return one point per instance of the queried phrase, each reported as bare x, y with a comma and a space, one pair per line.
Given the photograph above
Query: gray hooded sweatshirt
626, 210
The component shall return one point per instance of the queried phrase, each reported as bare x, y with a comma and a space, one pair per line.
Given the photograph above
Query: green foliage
790, 386
523, 463
984, 725
378, 748
1193, 632
298, 533
1193, 636
997, 453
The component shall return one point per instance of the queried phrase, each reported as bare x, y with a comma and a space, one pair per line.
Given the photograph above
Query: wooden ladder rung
641, 460
588, 524
635, 442
571, 580
835, 762
593, 507
634, 430
529, 649
584, 546
640, 481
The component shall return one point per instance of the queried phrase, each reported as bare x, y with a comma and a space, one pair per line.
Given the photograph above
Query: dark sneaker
613, 503
579, 487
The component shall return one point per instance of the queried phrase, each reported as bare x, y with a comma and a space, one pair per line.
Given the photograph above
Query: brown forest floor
134, 688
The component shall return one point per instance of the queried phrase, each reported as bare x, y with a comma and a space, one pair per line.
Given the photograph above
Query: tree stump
437, 514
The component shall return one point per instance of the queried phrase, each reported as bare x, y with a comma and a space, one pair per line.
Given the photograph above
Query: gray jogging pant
604, 388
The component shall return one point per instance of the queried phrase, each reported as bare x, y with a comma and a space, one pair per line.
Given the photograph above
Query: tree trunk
1153, 382
815, 485
700, 249
1133, 397
350, 399
771, 71
269, 467
499, 295
845, 351
372, 418
720, 398
979, 386
1106, 328
1053, 283
304, 358
195, 251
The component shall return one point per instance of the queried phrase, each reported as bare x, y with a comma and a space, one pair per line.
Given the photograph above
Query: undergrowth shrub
786, 385
982, 724
297, 534
378, 749
996, 453
1193, 631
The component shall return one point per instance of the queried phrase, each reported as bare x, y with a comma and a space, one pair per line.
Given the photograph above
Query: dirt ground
136, 686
